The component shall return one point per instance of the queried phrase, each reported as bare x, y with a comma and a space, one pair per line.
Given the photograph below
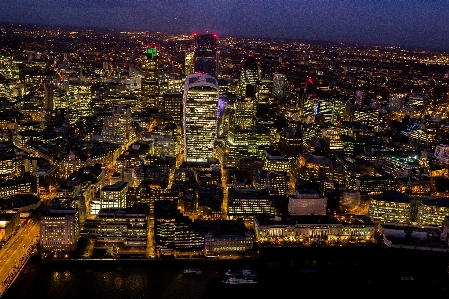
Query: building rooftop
118, 186
436, 202
221, 227
292, 220
392, 196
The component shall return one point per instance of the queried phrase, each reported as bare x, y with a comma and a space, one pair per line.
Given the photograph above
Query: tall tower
150, 77
189, 62
249, 77
279, 86
205, 54
200, 102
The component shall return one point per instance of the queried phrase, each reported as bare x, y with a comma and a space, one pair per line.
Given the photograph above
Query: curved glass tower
200, 102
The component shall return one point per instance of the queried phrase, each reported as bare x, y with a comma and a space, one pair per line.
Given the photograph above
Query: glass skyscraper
200, 102
150, 77
205, 54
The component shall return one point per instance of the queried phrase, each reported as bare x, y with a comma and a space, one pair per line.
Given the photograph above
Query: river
290, 273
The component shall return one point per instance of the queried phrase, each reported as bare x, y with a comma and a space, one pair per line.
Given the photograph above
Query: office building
279, 86
9, 222
433, 211
273, 160
60, 228
307, 229
150, 77
122, 231
225, 236
245, 203
111, 196
205, 54
200, 101
307, 202
172, 105
189, 62
390, 206
249, 77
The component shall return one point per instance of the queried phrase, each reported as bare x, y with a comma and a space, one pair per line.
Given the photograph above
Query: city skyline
400, 23
143, 145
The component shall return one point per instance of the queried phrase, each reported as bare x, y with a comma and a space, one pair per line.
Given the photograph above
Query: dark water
280, 273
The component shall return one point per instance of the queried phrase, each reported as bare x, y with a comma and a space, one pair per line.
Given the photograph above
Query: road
17, 250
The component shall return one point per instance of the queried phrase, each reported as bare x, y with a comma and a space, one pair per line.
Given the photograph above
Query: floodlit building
9, 222
60, 228
306, 229
225, 236
442, 153
111, 196
307, 202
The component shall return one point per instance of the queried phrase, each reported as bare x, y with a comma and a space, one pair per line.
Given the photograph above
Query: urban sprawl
145, 145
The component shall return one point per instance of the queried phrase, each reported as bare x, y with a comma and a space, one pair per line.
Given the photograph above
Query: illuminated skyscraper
150, 77
245, 112
249, 78
205, 55
172, 105
189, 63
200, 102
279, 86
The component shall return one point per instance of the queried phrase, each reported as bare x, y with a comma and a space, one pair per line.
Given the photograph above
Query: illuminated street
17, 250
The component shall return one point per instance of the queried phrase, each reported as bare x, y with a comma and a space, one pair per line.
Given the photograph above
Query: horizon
417, 24
220, 36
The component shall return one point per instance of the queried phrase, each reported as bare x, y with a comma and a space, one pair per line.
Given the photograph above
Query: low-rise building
60, 226
9, 222
307, 202
413, 237
245, 203
225, 236
306, 229
433, 211
390, 207
275, 161
122, 231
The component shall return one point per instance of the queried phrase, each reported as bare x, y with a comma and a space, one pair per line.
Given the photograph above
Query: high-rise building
172, 105
111, 196
205, 55
150, 77
200, 103
245, 112
279, 86
249, 78
189, 63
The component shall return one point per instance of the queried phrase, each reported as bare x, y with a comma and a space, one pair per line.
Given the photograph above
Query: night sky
397, 22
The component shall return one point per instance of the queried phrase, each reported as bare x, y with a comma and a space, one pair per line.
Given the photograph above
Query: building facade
200, 102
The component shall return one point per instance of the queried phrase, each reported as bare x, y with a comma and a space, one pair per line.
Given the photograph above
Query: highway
17, 250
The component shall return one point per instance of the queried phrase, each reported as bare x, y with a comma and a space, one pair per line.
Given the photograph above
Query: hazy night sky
397, 22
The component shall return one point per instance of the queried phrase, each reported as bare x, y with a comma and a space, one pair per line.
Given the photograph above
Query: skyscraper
150, 77
189, 62
172, 105
205, 55
249, 77
200, 101
279, 86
